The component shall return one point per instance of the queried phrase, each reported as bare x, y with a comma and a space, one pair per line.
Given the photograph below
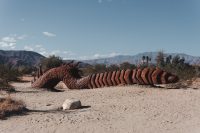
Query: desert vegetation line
69, 74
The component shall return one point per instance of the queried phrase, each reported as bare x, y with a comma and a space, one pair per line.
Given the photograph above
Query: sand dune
130, 109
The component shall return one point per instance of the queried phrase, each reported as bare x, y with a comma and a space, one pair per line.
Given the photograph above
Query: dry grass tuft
9, 106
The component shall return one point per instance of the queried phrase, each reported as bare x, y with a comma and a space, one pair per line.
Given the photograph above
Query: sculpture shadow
58, 110
15, 113
53, 90
20, 91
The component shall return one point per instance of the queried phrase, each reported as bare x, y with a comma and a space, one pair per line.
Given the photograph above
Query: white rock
71, 104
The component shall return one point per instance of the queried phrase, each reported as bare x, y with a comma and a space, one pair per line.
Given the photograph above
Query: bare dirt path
129, 109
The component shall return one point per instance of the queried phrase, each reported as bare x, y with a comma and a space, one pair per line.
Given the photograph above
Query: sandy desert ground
129, 109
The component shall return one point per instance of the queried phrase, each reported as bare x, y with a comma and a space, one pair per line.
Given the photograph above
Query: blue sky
85, 29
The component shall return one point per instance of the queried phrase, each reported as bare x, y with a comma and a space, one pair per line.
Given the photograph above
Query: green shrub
51, 62
126, 65
9, 74
26, 69
99, 68
177, 66
112, 67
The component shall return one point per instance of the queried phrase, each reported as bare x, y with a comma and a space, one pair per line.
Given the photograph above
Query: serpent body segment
69, 74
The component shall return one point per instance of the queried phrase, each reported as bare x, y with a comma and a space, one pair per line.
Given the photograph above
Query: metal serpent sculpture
69, 74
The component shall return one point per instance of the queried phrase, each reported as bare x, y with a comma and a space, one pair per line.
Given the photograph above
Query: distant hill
25, 58
135, 59
18, 58
30, 58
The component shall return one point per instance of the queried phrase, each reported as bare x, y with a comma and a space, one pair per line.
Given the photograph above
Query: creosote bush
51, 62
7, 73
100, 68
9, 106
178, 66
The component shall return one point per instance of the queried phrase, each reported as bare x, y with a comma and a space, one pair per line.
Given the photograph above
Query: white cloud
9, 39
9, 42
13, 47
40, 49
83, 58
71, 55
64, 54
68, 53
98, 56
29, 48
49, 34
113, 54
43, 53
38, 46
3, 44
7, 45
55, 52
22, 37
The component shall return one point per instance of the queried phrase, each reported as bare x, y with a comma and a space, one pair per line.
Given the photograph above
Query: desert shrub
197, 70
112, 67
93, 69
126, 65
99, 68
9, 106
177, 66
26, 69
9, 74
51, 62
183, 72
88, 70
160, 59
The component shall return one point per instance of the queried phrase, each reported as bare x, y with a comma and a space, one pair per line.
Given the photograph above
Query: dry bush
5, 86
9, 106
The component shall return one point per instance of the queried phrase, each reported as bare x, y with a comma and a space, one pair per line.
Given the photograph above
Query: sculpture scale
69, 74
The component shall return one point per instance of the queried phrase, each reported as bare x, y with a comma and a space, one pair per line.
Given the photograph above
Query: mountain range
19, 58
30, 58
136, 59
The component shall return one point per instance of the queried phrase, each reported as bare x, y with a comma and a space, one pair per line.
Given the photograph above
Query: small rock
71, 104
